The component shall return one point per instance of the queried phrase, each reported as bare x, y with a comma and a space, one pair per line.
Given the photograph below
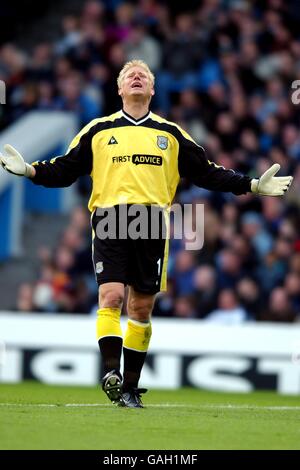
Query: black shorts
141, 262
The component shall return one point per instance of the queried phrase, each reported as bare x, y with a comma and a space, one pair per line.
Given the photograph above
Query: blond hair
134, 63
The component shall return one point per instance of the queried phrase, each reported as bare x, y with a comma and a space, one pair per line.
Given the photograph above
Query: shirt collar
133, 120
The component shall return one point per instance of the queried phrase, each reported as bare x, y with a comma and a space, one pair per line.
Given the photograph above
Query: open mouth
136, 85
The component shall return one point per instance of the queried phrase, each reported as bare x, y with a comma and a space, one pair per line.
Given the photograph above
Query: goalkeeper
138, 157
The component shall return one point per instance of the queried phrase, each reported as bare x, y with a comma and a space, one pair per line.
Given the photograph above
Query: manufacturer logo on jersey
162, 142
112, 141
99, 267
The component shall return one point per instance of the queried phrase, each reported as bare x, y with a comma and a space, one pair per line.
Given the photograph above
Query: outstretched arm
60, 171
194, 165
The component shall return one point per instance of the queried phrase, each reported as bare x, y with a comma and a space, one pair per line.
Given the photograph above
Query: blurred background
224, 72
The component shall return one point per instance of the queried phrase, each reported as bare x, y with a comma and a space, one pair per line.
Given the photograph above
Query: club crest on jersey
99, 267
162, 142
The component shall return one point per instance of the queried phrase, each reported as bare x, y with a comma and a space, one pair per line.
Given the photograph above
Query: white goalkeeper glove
14, 162
269, 185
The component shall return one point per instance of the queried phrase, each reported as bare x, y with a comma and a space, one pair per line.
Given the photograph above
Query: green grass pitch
36, 416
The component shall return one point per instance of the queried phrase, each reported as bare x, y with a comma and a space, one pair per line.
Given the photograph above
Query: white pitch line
161, 405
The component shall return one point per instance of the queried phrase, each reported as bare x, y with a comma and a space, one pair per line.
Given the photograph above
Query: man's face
136, 82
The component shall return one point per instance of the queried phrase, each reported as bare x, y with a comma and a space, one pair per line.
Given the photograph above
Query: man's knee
140, 309
111, 295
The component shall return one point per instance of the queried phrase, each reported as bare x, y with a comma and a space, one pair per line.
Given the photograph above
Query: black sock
111, 349
133, 364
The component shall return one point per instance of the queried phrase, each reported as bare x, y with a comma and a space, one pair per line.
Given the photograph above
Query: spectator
250, 297
229, 311
253, 229
25, 298
279, 308
228, 268
184, 271
205, 285
71, 35
182, 55
184, 307
74, 98
292, 287
139, 45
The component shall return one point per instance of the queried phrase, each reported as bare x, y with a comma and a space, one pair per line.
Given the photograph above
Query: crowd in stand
224, 72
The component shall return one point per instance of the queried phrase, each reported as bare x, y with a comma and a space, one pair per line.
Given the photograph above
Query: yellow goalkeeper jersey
136, 161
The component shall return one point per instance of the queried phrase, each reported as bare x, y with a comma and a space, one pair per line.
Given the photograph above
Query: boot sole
113, 389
